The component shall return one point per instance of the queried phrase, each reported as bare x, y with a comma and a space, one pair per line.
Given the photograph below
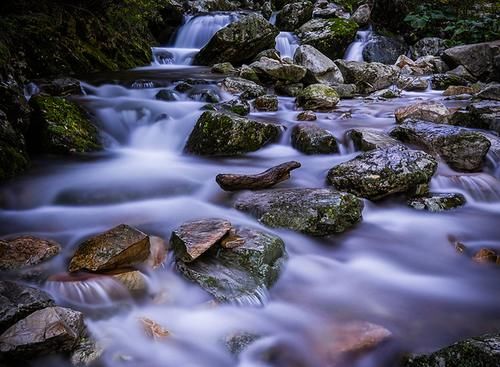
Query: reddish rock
24, 251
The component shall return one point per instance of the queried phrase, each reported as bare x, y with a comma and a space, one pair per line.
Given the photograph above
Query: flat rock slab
24, 251
461, 149
192, 239
46, 331
318, 212
18, 301
241, 274
263, 180
369, 139
382, 172
120, 247
437, 202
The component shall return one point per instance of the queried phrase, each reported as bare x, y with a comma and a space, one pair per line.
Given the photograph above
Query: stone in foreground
425, 111
239, 274
24, 251
461, 149
312, 139
318, 97
437, 202
192, 239
46, 331
120, 247
219, 134
382, 172
263, 180
318, 212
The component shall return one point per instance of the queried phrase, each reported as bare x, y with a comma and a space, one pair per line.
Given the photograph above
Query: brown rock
152, 329
192, 239
456, 90
232, 240
46, 331
26, 251
120, 247
426, 111
306, 116
133, 280
486, 255
263, 180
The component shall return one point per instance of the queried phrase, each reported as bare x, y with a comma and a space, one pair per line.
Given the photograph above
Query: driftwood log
263, 180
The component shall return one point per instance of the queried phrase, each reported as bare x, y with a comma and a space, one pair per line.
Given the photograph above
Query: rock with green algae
293, 15
13, 155
318, 212
437, 202
481, 351
330, 36
235, 105
61, 126
312, 139
220, 134
239, 274
368, 76
318, 97
267, 102
385, 171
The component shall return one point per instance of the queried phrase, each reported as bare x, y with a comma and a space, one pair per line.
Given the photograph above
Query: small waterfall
286, 44
273, 17
355, 50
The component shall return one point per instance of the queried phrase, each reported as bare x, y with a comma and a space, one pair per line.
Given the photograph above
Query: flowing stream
397, 268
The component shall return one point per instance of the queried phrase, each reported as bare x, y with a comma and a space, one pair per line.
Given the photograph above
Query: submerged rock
368, 77
312, 139
320, 69
485, 256
330, 36
426, 111
192, 239
240, 274
366, 139
46, 331
293, 15
219, 134
461, 149
60, 126
478, 351
120, 247
18, 301
166, 95
437, 202
263, 180
318, 97
239, 41
318, 212
382, 172
24, 251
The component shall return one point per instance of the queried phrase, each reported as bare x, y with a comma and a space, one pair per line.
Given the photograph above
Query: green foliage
459, 22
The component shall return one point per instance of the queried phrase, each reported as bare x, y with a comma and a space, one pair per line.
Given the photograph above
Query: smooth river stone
120, 247
26, 251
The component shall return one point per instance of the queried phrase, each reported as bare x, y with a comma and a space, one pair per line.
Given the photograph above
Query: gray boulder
320, 69
461, 149
318, 97
245, 88
312, 139
238, 42
368, 77
278, 70
427, 111
428, 46
362, 15
385, 50
437, 202
382, 172
366, 139
219, 134
293, 15
318, 212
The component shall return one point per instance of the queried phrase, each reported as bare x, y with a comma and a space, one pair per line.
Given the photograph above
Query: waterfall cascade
355, 50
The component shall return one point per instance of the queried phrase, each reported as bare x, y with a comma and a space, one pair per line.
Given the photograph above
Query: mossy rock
330, 36
13, 156
318, 97
60, 126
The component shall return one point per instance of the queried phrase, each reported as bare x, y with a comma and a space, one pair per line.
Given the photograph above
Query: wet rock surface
368, 77
382, 172
426, 111
246, 88
437, 202
293, 15
267, 68
120, 247
219, 134
318, 97
461, 149
312, 139
368, 139
320, 69
318, 212
21, 252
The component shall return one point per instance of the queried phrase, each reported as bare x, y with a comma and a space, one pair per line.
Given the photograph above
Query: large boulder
120, 247
366, 139
443, 81
382, 172
241, 273
362, 15
320, 69
318, 97
312, 139
247, 89
368, 77
461, 149
18, 301
60, 126
426, 111
238, 42
428, 46
383, 49
267, 68
480, 59
318, 212
330, 36
293, 15
219, 134
46, 331
20, 252
266, 103
478, 351
479, 115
